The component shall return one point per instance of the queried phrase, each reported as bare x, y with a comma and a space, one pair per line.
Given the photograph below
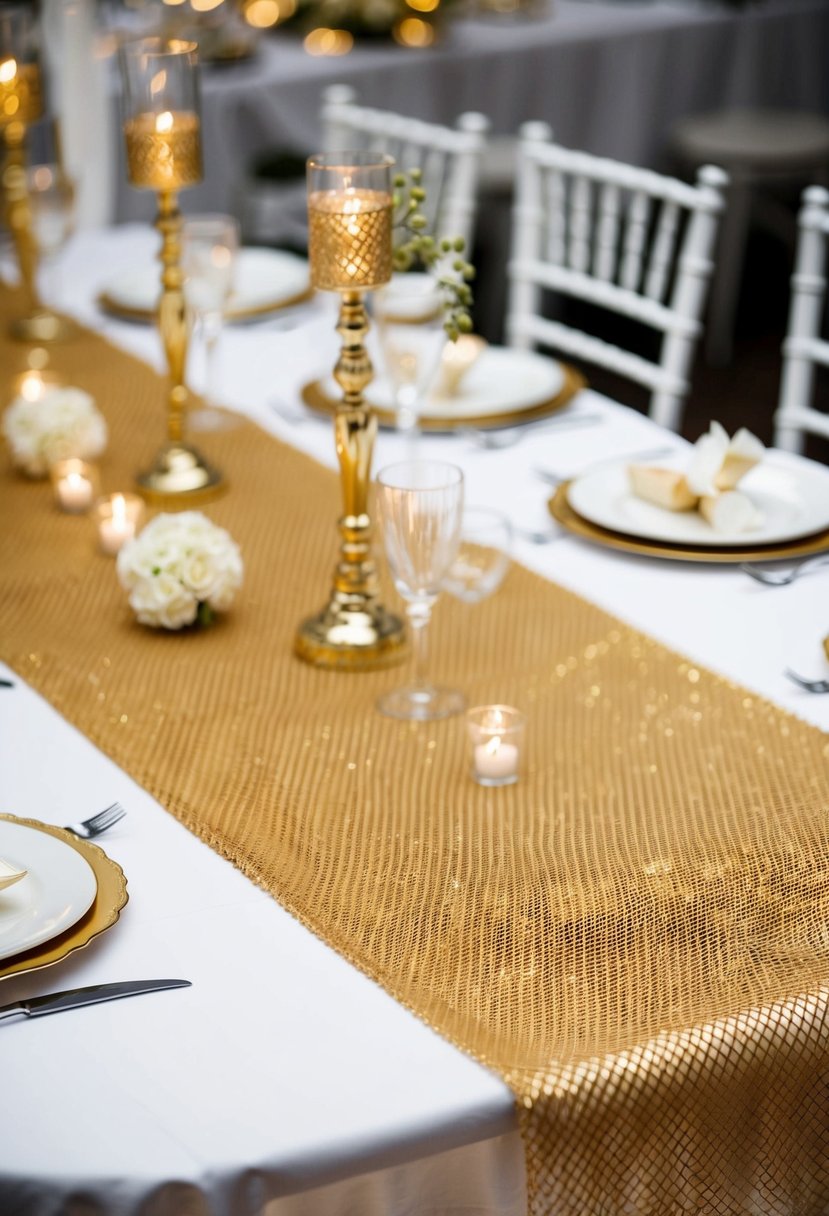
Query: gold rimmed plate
505, 388
110, 898
564, 514
266, 281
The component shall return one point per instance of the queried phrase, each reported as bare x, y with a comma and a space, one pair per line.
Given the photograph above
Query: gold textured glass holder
179, 471
354, 631
20, 104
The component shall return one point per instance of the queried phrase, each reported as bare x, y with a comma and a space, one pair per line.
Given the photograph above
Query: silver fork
555, 479
781, 578
88, 828
493, 441
809, 685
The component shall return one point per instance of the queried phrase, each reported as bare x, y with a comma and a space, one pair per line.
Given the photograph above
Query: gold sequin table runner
635, 936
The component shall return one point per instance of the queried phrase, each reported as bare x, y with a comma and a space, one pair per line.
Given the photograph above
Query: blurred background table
610, 78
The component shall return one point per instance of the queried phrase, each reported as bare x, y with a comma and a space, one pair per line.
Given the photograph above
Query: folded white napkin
10, 874
718, 463
709, 485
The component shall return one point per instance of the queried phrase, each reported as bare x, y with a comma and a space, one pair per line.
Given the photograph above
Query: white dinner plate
792, 503
501, 383
59, 888
265, 279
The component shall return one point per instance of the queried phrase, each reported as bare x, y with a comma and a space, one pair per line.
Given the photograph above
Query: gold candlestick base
42, 326
356, 636
354, 632
180, 477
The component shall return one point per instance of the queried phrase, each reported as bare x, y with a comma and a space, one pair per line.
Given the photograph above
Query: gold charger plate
564, 514
110, 899
315, 397
148, 316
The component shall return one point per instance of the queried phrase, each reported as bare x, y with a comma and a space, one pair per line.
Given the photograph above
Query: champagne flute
409, 320
210, 245
420, 504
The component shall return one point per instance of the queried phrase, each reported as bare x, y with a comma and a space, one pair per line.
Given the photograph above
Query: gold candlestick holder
349, 223
21, 104
162, 132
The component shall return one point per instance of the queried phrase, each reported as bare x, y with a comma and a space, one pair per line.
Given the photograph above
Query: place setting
58, 889
727, 500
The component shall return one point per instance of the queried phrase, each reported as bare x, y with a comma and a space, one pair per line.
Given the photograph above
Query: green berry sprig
419, 248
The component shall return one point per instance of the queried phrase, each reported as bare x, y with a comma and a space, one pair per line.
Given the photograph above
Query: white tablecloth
283, 1082
610, 78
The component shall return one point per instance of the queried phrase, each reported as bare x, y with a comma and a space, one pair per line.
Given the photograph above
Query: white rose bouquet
179, 569
64, 423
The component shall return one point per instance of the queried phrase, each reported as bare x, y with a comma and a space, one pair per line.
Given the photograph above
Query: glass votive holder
75, 483
496, 743
117, 520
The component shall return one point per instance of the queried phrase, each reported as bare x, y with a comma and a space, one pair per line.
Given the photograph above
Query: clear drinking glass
210, 245
420, 504
483, 555
409, 316
52, 202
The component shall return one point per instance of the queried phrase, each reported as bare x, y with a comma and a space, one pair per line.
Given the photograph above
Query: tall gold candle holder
21, 104
350, 251
162, 131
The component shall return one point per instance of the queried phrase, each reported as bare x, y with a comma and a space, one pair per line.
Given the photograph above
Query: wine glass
408, 313
210, 244
420, 504
483, 555
52, 203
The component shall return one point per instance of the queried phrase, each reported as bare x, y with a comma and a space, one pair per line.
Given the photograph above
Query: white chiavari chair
449, 157
629, 240
804, 349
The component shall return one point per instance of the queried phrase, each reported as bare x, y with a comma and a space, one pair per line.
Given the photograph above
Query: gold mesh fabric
595, 933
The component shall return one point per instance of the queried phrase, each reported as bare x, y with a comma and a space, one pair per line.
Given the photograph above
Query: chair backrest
629, 240
804, 349
449, 157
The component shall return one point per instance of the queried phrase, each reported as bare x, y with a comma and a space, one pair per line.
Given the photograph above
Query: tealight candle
34, 384
75, 484
495, 735
118, 517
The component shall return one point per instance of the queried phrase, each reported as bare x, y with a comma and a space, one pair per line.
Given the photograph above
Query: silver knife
76, 997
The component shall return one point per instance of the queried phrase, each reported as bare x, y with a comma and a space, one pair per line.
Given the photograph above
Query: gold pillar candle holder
162, 132
21, 104
350, 251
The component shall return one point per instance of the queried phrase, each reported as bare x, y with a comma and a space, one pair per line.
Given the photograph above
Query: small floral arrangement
180, 569
62, 424
418, 248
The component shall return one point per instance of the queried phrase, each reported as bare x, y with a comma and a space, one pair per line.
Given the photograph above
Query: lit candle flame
493, 746
8, 70
32, 386
119, 510
164, 122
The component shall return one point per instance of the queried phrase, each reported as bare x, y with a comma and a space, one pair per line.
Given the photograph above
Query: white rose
63, 423
162, 600
176, 563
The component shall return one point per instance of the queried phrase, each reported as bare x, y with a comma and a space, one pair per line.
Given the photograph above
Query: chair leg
725, 289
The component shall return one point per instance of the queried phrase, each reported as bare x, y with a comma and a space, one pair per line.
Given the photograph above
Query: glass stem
419, 614
212, 332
